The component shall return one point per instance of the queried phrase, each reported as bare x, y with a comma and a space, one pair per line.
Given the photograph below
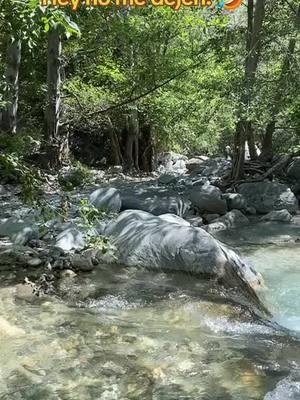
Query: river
122, 334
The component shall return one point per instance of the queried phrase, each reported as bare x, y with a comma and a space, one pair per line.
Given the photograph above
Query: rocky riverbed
150, 334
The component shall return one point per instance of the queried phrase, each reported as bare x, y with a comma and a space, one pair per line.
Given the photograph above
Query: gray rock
18, 230
280, 216
147, 241
195, 221
251, 210
269, 196
286, 389
174, 219
166, 179
232, 219
208, 218
82, 262
70, 239
107, 199
235, 201
294, 169
208, 199
195, 164
156, 200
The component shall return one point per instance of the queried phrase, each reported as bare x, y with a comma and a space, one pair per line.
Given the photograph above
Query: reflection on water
124, 334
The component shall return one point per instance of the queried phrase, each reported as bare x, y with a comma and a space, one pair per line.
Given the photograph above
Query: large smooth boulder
18, 230
155, 200
269, 196
107, 199
279, 216
207, 199
294, 169
145, 240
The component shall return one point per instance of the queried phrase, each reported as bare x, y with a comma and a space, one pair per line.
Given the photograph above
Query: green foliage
90, 214
12, 167
101, 243
79, 176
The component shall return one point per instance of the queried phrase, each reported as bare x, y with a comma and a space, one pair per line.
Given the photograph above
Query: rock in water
279, 216
269, 196
145, 240
107, 199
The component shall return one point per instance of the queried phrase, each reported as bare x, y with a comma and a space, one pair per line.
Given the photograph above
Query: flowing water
124, 334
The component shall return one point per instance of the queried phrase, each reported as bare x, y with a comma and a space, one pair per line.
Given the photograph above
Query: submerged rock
145, 240
269, 196
280, 216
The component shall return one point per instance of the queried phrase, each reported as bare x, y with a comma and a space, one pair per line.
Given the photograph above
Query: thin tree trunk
54, 84
267, 142
255, 22
9, 113
251, 141
57, 146
133, 133
117, 156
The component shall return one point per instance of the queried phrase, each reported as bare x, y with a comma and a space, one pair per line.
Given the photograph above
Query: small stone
34, 262
68, 273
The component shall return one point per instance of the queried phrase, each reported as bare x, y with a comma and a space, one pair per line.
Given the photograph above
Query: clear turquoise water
124, 334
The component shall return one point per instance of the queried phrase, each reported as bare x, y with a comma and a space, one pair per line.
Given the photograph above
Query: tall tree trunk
133, 133
267, 142
115, 145
251, 142
57, 135
9, 112
255, 22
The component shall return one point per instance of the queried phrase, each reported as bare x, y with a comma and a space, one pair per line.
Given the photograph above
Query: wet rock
107, 199
235, 201
70, 239
144, 240
287, 389
207, 199
18, 230
233, 219
7, 329
280, 216
269, 196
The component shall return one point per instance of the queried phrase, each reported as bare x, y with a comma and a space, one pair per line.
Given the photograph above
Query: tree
253, 47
